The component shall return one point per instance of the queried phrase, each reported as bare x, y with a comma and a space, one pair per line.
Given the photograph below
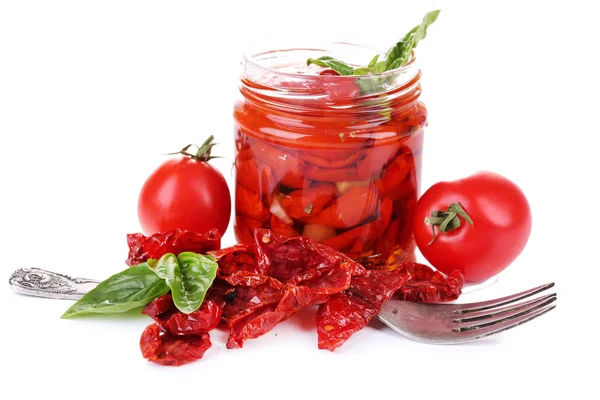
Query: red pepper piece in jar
286, 167
255, 176
350, 209
373, 230
245, 226
281, 228
142, 247
346, 239
376, 158
386, 209
388, 241
331, 161
321, 174
405, 189
416, 120
248, 203
305, 202
394, 174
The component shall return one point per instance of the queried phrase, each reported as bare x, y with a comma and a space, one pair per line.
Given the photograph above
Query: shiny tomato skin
501, 225
186, 194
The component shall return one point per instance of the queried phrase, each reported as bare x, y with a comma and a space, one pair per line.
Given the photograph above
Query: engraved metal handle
41, 283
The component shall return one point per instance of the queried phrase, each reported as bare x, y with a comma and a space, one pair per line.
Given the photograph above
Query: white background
92, 93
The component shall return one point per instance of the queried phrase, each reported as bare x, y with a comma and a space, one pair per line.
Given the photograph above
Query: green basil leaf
373, 61
396, 64
134, 287
428, 19
362, 71
399, 54
329, 62
380, 67
189, 276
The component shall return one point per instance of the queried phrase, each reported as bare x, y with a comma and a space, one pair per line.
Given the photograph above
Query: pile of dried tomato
261, 284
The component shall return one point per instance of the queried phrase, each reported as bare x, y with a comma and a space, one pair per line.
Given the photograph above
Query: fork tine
486, 305
508, 319
509, 324
510, 309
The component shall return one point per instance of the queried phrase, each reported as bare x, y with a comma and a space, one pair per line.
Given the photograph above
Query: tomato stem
448, 220
203, 152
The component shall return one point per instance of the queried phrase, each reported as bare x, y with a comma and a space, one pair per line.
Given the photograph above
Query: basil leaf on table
134, 287
189, 275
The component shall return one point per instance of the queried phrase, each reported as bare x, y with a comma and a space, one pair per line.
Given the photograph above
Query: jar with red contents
335, 158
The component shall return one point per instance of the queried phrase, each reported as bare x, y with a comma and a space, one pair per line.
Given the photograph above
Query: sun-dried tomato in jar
335, 158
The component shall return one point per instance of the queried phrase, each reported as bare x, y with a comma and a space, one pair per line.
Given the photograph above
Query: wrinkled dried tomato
171, 320
339, 318
291, 258
428, 286
348, 312
238, 300
286, 276
177, 338
142, 247
261, 284
167, 349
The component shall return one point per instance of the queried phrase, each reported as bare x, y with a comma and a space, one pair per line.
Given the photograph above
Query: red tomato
501, 225
186, 193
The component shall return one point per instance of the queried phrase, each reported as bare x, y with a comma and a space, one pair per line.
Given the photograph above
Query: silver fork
459, 323
427, 323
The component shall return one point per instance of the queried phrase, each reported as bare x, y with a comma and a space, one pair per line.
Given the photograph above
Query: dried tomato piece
291, 258
171, 320
429, 286
350, 311
238, 300
290, 274
341, 316
244, 278
167, 349
142, 247
241, 257
161, 308
250, 324
378, 286
203, 320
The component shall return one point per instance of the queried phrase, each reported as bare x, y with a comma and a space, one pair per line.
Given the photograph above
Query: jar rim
258, 63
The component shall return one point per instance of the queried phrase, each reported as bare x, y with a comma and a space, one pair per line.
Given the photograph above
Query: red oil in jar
335, 158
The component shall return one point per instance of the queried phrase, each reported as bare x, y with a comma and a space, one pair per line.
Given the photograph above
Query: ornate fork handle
42, 283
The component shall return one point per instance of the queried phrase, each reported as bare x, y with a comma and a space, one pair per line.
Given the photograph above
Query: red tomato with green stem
478, 225
186, 193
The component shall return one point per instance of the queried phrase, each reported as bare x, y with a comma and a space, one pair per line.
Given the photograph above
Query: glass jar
335, 158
